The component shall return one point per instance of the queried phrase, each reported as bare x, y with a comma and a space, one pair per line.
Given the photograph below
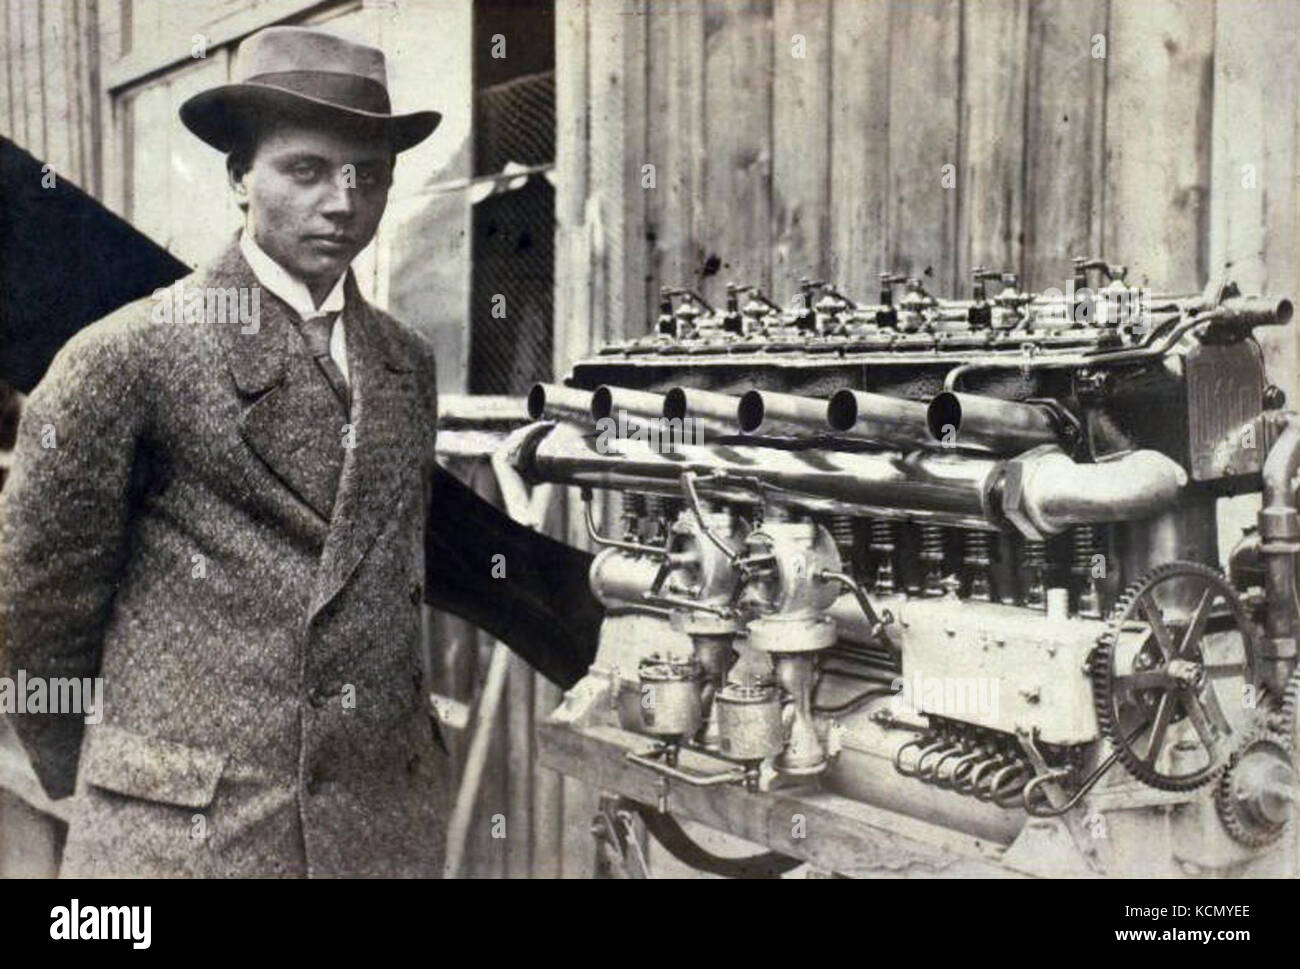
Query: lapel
386, 455
286, 420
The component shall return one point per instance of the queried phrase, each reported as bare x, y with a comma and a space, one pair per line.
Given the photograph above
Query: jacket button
315, 697
415, 595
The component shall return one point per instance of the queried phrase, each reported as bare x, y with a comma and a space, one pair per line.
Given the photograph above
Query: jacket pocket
130, 763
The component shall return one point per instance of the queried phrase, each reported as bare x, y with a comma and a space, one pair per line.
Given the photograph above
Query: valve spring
841, 529
1083, 546
884, 539
633, 504
656, 506
932, 556
1035, 554
884, 534
932, 543
756, 515
1084, 542
1035, 563
975, 549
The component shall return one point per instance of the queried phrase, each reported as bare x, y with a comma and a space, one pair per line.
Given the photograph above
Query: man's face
314, 198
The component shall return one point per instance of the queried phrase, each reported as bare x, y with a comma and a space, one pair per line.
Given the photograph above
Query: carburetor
929, 571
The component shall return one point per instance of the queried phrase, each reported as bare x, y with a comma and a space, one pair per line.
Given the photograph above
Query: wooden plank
575, 277
838, 834
148, 190
1064, 181
736, 219
859, 177
801, 121
106, 30
924, 78
994, 93
29, 66
1158, 101
572, 336
8, 45
519, 768
617, 90
55, 90
144, 56
675, 146
1254, 198
547, 802
203, 216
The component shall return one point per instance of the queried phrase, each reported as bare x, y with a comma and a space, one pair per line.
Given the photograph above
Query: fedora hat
308, 75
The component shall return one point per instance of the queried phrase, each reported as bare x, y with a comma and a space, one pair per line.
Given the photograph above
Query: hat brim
218, 115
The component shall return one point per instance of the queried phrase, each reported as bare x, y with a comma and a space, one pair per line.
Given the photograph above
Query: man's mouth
331, 243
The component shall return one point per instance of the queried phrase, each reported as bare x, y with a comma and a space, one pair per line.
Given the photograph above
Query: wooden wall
1176, 152
770, 166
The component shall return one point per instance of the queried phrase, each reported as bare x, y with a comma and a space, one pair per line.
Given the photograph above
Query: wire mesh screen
515, 122
511, 292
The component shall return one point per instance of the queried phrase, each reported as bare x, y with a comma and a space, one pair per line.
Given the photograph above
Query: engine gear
1255, 795
1169, 676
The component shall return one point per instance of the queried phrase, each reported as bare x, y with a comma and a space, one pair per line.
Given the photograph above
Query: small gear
1154, 677
1249, 795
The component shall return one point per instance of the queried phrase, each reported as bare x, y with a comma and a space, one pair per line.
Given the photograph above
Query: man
218, 504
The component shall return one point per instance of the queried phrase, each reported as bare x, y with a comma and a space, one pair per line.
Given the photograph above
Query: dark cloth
542, 608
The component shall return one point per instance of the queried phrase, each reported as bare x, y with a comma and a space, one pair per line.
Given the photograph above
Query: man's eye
303, 171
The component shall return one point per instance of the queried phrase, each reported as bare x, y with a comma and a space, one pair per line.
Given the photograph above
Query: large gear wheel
1170, 676
1251, 796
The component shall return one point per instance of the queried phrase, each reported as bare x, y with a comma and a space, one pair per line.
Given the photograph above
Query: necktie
316, 334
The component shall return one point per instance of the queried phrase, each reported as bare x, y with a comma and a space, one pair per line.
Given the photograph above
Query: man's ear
238, 184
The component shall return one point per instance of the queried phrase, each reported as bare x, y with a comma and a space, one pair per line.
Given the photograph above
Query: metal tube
716, 412
768, 413
950, 489
1044, 491
1000, 426
557, 402
1279, 529
1252, 311
607, 401
894, 421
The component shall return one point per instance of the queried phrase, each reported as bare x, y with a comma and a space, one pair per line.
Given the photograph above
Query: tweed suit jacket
254, 615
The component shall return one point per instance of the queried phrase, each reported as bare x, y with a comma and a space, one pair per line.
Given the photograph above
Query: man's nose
339, 202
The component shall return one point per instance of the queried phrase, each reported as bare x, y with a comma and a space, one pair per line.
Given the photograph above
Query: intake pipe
709, 409
608, 401
557, 402
767, 413
892, 421
989, 423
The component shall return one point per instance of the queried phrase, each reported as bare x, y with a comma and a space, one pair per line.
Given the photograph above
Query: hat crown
278, 50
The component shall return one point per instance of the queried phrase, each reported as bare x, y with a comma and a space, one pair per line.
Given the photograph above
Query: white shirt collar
274, 277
